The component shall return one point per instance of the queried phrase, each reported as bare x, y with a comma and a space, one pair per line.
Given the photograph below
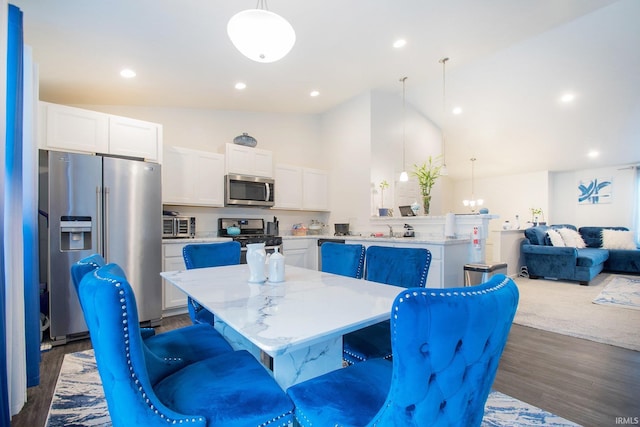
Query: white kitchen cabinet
301, 252
192, 177
75, 129
135, 138
315, 193
301, 188
172, 297
288, 187
243, 160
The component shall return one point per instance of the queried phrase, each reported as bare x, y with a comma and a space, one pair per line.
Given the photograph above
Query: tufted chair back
84, 266
343, 259
208, 255
406, 267
446, 344
110, 311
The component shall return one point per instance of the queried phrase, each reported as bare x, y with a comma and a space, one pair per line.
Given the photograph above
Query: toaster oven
178, 227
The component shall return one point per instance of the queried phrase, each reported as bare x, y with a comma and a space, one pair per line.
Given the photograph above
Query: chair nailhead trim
134, 376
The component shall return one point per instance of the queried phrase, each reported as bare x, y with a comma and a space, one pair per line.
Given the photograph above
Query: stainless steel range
251, 231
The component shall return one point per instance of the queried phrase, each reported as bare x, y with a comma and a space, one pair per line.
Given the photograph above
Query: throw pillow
617, 239
572, 238
555, 237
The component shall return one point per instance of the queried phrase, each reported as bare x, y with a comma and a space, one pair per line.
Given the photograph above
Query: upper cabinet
301, 188
75, 129
192, 177
243, 160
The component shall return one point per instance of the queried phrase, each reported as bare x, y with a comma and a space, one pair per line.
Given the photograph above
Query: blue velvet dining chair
181, 346
447, 344
342, 259
208, 255
405, 267
231, 389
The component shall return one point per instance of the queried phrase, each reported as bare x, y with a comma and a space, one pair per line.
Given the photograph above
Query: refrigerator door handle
98, 220
105, 229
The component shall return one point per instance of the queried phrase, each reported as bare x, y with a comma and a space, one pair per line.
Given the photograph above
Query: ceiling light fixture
404, 176
457, 110
567, 97
473, 202
314, 93
261, 35
443, 169
127, 73
400, 43
240, 86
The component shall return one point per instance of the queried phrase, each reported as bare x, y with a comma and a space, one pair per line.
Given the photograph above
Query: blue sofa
544, 260
625, 261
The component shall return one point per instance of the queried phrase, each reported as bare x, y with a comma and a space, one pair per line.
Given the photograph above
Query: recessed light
127, 73
457, 110
314, 93
567, 97
399, 43
593, 154
240, 86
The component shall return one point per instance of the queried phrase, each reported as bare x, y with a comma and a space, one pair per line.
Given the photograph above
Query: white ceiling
510, 62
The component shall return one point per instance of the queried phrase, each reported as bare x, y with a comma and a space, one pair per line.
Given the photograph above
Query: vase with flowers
537, 216
427, 174
382, 211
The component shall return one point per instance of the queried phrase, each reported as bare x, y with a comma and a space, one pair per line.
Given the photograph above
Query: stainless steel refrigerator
106, 205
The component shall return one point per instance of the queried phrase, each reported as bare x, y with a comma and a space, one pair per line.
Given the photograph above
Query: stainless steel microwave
244, 190
178, 227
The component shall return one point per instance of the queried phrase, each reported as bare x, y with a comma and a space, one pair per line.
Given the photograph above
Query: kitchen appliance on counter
106, 205
408, 231
341, 230
244, 190
178, 227
251, 231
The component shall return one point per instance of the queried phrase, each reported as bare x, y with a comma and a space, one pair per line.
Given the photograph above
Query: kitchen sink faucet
390, 230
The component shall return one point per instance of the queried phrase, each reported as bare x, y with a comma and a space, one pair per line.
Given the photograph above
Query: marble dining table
294, 327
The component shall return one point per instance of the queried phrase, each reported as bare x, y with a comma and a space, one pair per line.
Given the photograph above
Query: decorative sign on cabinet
243, 160
192, 177
75, 129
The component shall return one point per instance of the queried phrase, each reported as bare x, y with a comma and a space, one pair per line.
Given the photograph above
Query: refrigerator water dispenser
75, 233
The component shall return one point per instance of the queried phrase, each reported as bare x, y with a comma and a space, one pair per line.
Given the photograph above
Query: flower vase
426, 204
256, 257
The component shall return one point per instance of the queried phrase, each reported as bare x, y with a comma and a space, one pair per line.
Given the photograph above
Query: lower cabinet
173, 299
301, 252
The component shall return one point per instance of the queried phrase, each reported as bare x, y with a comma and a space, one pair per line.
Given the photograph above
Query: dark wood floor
586, 382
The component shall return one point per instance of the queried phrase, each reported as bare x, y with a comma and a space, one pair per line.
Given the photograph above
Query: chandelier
261, 35
473, 202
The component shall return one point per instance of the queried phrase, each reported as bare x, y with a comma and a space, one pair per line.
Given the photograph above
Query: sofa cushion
572, 238
536, 235
592, 236
588, 257
623, 261
618, 239
555, 238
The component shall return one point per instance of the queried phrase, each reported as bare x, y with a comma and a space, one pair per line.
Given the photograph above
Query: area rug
78, 400
622, 292
567, 308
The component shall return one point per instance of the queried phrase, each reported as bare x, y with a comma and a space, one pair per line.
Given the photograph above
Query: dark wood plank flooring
583, 381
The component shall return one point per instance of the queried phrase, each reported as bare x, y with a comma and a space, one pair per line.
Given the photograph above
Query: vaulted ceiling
511, 60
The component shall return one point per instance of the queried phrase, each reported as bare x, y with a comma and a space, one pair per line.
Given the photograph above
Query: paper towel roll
450, 225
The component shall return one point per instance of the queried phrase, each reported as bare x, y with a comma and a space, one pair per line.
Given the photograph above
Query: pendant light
404, 176
443, 169
473, 202
261, 35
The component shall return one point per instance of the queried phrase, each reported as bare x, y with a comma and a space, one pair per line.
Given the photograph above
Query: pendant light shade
261, 35
404, 176
473, 202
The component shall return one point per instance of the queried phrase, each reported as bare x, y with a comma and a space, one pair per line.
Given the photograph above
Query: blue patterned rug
78, 401
623, 292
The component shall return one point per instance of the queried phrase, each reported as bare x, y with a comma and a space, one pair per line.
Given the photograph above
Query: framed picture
593, 191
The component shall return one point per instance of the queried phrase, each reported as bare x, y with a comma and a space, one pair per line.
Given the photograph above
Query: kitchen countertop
196, 240
433, 240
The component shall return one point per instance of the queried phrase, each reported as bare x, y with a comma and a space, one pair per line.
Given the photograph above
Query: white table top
308, 307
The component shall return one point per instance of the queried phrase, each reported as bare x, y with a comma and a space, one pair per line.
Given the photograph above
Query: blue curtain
13, 160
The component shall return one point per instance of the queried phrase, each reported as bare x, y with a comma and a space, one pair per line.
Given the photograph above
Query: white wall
564, 198
293, 138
